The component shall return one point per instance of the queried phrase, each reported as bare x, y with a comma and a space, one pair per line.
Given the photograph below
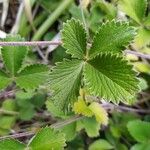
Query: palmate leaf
140, 130
32, 76
13, 56
110, 77
135, 9
111, 37
11, 144
4, 79
47, 139
65, 80
74, 38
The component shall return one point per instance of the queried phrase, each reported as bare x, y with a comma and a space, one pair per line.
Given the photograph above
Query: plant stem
56, 125
8, 112
31, 43
138, 54
60, 124
83, 17
51, 19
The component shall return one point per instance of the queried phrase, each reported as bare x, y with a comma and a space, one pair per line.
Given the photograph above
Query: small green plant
25, 76
100, 69
97, 68
140, 131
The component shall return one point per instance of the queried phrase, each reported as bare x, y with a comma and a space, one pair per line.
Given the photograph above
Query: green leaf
54, 110
13, 56
7, 121
47, 139
135, 9
65, 81
4, 80
90, 125
32, 76
112, 37
69, 131
140, 130
100, 144
111, 78
74, 38
142, 146
11, 144
108, 8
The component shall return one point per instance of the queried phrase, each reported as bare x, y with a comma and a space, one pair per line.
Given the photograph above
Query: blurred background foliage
42, 20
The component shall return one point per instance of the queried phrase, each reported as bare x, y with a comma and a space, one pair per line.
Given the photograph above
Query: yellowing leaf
99, 112
85, 3
142, 38
142, 67
81, 108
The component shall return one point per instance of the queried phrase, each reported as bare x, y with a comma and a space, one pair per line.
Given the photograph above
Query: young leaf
47, 139
100, 145
74, 38
111, 78
65, 82
81, 108
99, 112
32, 76
143, 146
11, 144
111, 37
69, 131
135, 9
13, 56
140, 130
4, 79
90, 125
143, 38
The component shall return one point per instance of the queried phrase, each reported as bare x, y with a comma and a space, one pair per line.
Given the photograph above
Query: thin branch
7, 94
47, 43
145, 56
124, 108
60, 124
30, 43
55, 126
8, 112
18, 135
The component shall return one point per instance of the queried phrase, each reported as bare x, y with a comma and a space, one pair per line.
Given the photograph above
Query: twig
47, 43
30, 43
138, 54
55, 126
7, 94
18, 135
8, 112
66, 122
124, 108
